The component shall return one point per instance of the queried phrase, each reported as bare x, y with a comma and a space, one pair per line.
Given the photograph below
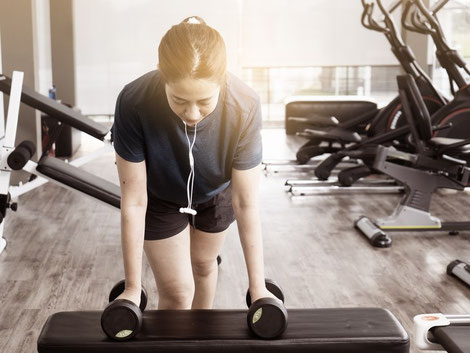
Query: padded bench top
80, 180
310, 330
56, 110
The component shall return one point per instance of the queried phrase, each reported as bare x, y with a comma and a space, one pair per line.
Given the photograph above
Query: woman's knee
176, 295
204, 267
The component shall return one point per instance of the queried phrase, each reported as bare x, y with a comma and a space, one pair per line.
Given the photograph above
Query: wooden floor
64, 253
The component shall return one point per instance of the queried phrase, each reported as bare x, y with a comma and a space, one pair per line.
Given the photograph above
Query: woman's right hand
131, 294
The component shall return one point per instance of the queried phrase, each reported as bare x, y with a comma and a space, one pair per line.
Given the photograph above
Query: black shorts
163, 218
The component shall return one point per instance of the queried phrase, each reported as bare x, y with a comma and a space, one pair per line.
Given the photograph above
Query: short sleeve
127, 132
249, 151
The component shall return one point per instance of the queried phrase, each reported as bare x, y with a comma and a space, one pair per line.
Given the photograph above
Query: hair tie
193, 20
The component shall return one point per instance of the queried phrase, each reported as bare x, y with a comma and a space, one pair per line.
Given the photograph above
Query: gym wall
310, 33
25, 46
116, 41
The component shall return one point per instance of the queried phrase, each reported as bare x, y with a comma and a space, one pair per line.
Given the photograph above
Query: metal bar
317, 190
53, 137
335, 182
437, 6
455, 226
282, 162
445, 227
2, 113
13, 109
458, 319
292, 165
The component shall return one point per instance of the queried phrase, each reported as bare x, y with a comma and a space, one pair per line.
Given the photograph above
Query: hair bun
194, 20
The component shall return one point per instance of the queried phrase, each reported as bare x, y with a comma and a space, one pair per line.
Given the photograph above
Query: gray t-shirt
145, 128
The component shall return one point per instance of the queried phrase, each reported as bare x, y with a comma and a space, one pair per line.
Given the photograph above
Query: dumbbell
122, 319
267, 317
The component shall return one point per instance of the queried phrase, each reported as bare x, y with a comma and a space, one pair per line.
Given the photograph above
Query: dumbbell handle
272, 287
120, 287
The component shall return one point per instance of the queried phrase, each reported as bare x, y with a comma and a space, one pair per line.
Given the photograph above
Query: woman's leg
204, 250
170, 261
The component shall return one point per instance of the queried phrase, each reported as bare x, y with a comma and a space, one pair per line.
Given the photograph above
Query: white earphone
190, 183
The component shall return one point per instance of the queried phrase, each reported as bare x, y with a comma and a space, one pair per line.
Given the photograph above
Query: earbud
188, 211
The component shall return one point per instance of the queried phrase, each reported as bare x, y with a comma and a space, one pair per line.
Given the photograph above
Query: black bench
56, 110
57, 169
80, 180
365, 330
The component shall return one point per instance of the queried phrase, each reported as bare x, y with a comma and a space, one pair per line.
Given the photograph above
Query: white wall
42, 43
310, 33
117, 40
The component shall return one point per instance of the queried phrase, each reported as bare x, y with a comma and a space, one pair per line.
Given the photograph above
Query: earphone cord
190, 184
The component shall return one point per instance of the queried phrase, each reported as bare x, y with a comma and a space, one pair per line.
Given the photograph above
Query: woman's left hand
258, 293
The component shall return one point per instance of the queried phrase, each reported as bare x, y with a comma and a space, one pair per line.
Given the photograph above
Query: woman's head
192, 49
192, 61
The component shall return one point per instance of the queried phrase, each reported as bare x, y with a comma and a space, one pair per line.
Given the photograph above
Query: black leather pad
454, 338
56, 110
80, 180
365, 330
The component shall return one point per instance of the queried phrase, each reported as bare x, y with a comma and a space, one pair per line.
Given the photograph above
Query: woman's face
192, 99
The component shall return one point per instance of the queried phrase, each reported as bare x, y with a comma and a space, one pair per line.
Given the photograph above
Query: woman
188, 149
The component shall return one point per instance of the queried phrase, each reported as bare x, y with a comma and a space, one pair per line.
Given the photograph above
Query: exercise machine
68, 175
306, 111
449, 121
417, 18
280, 166
437, 163
439, 332
460, 270
394, 118
303, 187
390, 120
389, 117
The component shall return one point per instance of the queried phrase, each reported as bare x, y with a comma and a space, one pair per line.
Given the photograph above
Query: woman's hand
258, 293
131, 294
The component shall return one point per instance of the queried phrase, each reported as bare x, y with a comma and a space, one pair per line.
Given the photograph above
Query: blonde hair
192, 49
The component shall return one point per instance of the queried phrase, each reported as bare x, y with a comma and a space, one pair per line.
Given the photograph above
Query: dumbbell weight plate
267, 318
119, 288
271, 286
121, 320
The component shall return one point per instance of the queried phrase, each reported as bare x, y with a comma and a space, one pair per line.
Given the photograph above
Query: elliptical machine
456, 112
450, 155
437, 163
452, 119
388, 118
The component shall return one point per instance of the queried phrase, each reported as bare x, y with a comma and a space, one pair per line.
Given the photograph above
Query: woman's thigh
205, 247
170, 260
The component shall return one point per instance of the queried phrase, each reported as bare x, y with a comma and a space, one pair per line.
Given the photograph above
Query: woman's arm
133, 182
245, 184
